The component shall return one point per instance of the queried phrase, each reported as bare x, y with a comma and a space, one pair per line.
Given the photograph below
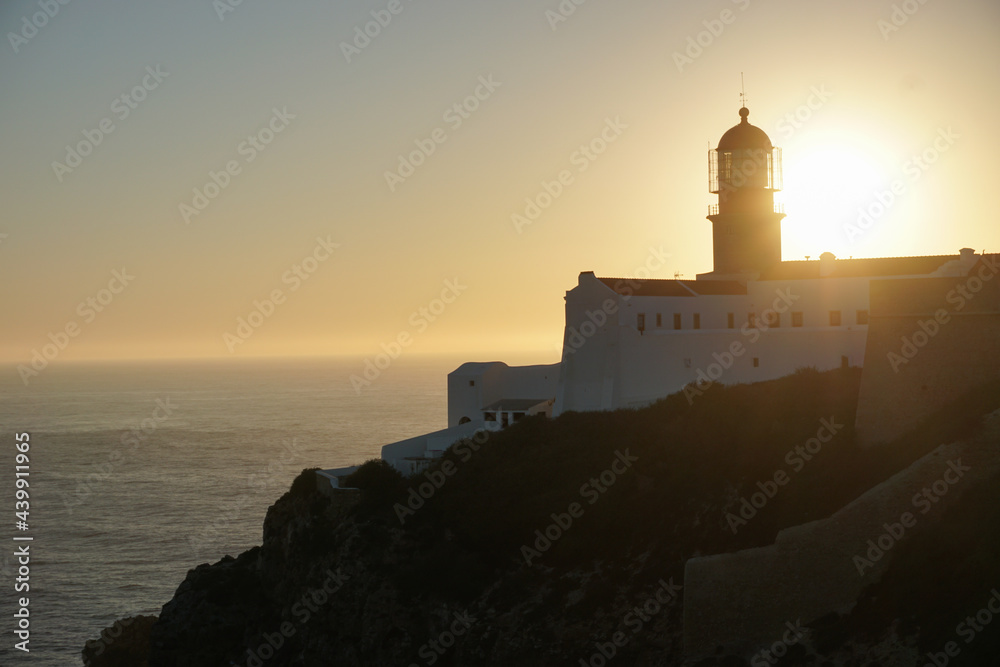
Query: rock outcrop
564, 542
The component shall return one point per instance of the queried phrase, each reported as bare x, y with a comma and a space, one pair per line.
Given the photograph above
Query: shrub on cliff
381, 484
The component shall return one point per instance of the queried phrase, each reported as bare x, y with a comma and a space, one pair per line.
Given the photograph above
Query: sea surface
142, 471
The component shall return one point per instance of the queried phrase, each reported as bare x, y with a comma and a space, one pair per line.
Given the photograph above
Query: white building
629, 342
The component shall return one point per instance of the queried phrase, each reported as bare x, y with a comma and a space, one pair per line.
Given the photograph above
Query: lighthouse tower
745, 171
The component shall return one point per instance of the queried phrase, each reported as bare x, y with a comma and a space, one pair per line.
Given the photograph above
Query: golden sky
170, 168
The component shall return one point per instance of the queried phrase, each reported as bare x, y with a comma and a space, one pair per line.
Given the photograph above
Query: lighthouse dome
744, 136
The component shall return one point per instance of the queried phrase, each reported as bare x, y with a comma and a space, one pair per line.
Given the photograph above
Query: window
862, 317
834, 318
677, 320
845, 362
659, 320
472, 383
732, 321
772, 319
697, 321
640, 321
752, 320
797, 319
756, 362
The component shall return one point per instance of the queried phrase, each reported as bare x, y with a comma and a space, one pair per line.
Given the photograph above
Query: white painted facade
619, 367
474, 386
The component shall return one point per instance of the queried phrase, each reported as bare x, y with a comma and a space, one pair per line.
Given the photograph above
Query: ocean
142, 471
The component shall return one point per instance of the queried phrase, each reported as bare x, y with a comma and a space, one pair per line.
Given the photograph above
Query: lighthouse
745, 172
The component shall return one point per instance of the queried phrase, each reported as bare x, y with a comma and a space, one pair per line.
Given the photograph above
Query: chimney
968, 256
826, 261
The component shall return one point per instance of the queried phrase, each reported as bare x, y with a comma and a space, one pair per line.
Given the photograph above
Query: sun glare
823, 188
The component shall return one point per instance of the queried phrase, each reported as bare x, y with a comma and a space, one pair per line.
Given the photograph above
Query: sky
202, 179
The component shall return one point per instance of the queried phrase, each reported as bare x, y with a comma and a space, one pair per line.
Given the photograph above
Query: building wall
614, 365
474, 385
412, 455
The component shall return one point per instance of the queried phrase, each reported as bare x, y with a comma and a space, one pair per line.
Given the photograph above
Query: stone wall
742, 601
930, 341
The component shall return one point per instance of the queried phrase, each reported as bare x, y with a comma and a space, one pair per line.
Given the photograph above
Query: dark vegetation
462, 547
694, 464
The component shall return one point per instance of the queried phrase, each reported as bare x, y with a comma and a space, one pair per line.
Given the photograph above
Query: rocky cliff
563, 542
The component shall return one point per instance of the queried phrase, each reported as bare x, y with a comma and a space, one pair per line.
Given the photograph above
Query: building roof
858, 268
744, 136
652, 287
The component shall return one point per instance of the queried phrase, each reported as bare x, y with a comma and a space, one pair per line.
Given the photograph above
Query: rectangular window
732, 321
472, 383
752, 320
756, 362
773, 319
697, 321
640, 321
845, 362
659, 320
862, 317
797, 319
834, 318
677, 321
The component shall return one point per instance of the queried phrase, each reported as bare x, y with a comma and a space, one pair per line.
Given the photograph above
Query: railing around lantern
713, 209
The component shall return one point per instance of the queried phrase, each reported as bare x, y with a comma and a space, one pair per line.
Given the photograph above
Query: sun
824, 185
